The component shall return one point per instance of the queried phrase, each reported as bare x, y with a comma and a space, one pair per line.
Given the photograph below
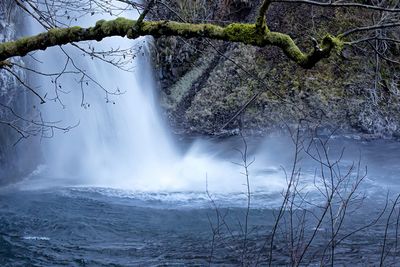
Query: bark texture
248, 34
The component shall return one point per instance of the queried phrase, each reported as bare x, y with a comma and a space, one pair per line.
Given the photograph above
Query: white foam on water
39, 238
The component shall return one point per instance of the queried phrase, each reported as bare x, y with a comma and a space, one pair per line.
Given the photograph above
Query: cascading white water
122, 144
118, 138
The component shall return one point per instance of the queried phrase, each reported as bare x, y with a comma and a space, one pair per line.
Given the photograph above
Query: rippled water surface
99, 226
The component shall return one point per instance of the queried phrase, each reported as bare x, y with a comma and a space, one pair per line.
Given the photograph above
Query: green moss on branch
236, 32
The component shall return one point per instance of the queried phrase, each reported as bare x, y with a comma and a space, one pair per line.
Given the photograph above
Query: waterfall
120, 140
15, 161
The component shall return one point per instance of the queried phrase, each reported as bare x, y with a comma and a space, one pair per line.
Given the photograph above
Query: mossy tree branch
261, 23
235, 32
144, 14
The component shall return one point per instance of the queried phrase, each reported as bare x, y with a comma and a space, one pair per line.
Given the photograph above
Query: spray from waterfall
120, 140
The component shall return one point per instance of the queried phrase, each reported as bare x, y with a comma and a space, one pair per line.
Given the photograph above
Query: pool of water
62, 224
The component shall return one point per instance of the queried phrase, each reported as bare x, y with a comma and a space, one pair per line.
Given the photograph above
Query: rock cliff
204, 83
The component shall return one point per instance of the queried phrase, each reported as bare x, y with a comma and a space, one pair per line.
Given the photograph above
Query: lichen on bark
235, 32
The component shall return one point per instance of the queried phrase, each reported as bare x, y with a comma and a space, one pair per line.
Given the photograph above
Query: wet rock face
15, 160
7, 92
7, 32
205, 83
8, 88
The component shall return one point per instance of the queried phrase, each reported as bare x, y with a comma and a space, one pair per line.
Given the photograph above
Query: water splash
120, 141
